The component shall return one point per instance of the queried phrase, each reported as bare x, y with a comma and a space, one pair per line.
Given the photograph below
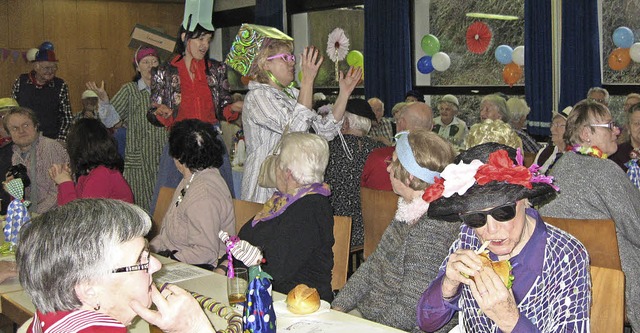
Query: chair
378, 209
162, 205
342, 236
597, 236
607, 300
244, 210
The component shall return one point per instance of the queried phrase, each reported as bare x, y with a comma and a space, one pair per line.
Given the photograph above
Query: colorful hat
7, 103
144, 52
248, 43
198, 12
45, 53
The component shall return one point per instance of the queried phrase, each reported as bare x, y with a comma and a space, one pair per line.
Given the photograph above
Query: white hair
306, 155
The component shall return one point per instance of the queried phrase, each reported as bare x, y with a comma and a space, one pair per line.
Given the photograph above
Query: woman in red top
95, 162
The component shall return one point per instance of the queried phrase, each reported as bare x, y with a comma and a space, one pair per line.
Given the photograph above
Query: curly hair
492, 131
583, 113
269, 47
90, 145
501, 105
194, 143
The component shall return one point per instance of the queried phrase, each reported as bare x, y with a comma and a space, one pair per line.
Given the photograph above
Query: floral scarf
279, 201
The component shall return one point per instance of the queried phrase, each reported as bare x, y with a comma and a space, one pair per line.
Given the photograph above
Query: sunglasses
478, 219
284, 56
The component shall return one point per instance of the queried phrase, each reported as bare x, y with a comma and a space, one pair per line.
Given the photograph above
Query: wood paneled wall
91, 38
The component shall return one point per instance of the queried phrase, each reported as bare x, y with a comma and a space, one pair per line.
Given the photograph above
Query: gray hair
518, 109
70, 244
501, 104
599, 90
358, 123
306, 155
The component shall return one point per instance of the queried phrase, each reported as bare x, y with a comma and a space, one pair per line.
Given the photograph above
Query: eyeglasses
152, 63
478, 219
610, 125
601, 101
284, 56
49, 68
558, 125
143, 262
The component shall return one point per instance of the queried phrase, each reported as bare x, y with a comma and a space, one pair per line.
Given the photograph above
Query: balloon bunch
626, 50
434, 60
513, 59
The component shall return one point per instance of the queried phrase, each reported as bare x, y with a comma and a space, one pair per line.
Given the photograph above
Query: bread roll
502, 268
303, 300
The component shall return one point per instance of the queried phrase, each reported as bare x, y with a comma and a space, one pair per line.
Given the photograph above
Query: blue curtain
270, 13
580, 67
387, 50
538, 87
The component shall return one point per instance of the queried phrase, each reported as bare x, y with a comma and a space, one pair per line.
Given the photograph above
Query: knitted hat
485, 176
450, 99
361, 108
248, 44
144, 52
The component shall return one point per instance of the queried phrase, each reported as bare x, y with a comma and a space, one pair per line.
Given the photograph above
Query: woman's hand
60, 173
349, 81
162, 110
102, 94
310, 64
494, 299
177, 311
460, 262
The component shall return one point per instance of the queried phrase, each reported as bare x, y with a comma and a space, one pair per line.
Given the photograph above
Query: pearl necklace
184, 189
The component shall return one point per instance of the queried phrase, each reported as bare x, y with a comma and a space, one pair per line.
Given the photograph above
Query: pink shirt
101, 182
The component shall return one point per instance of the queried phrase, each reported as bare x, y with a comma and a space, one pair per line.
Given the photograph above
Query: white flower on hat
459, 177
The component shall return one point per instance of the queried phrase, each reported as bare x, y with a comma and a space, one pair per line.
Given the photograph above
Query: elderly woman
518, 111
545, 158
593, 187
494, 107
144, 142
94, 162
295, 227
387, 286
447, 125
272, 106
347, 156
492, 131
622, 155
492, 196
201, 205
101, 285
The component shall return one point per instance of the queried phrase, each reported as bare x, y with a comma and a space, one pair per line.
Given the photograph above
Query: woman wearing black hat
551, 289
347, 156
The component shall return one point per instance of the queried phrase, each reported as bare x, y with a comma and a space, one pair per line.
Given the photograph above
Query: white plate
280, 308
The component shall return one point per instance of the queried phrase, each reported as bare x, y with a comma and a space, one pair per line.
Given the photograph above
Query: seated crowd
463, 193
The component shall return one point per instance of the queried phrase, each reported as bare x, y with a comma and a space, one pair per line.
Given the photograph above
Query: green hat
7, 103
248, 43
198, 12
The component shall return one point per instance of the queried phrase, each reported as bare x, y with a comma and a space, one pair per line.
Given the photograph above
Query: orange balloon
245, 80
511, 74
619, 59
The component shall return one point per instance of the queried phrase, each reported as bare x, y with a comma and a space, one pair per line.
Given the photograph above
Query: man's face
45, 71
22, 130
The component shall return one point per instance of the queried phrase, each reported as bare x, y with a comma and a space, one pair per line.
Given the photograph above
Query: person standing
46, 94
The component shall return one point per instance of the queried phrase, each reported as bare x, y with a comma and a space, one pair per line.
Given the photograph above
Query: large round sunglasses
478, 219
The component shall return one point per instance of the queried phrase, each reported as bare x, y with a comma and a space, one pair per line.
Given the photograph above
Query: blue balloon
623, 37
46, 46
424, 65
504, 54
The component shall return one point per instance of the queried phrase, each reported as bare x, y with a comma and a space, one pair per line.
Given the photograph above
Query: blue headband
408, 160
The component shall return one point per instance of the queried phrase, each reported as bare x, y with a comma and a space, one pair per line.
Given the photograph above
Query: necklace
184, 189
590, 151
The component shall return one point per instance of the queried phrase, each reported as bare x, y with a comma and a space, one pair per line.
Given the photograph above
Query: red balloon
619, 59
511, 74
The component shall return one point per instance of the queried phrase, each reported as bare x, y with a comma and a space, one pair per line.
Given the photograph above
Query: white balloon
31, 54
518, 55
634, 52
441, 61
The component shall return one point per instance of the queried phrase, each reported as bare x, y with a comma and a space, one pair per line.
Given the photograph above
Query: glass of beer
237, 288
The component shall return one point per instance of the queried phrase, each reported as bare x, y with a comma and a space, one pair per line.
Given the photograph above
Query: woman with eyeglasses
492, 193
548, 155
273, 106
594, 187
86, 267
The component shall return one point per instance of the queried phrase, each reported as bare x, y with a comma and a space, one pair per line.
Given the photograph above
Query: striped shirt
75, 321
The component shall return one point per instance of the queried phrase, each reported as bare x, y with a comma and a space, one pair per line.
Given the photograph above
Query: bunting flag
13, 54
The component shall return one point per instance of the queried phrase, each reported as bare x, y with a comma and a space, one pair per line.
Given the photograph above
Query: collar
32, 80
143, 86
279, 202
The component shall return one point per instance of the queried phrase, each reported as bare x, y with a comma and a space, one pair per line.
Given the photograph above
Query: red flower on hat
434, 191
501, 168
478, 37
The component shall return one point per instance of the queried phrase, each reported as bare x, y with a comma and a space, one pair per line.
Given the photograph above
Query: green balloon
355, 58
430, 44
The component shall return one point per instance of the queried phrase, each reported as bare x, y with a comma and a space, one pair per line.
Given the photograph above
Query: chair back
342, 236
607, 300
244, 210
378, 209
597, 236
162, 205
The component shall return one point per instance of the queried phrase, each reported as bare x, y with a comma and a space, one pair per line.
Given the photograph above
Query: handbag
267, 175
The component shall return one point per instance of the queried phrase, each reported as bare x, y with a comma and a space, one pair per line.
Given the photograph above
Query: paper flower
459, 177
337, 45
478, 37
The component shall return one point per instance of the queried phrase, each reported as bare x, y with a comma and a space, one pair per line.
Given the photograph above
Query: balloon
355, 58
441, 61
619, 59
430, 44
424, 65
503, 54
511, 74
623, 37
31, 54
634, 52
46, 46
518, 55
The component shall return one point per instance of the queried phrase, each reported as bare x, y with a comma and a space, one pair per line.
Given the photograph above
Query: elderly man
37, 153
382, 127
494, 107
599, 95
518, 112
44, 93
412, 116
447, 125
6, 149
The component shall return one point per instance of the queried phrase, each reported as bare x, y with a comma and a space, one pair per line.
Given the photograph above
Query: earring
97, 307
